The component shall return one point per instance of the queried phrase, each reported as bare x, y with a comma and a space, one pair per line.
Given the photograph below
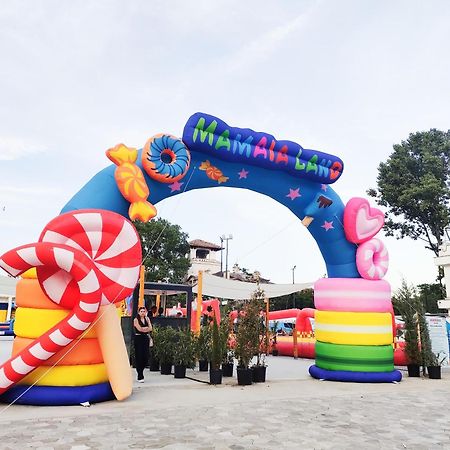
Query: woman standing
142, 328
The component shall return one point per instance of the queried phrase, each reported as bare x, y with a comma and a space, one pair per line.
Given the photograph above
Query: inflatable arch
354, 312
354, 303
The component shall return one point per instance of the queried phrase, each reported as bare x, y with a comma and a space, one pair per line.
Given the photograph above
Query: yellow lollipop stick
115, 356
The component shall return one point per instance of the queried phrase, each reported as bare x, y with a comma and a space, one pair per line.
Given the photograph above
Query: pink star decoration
294, 193
174, 187
243, 173
323, 187
328, 225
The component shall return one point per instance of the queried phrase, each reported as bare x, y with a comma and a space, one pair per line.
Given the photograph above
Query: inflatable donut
372, 260
165, 158
33, 323
79, 352
355, 377
57, 395
350, 328
352, 295
355, 358
79, 375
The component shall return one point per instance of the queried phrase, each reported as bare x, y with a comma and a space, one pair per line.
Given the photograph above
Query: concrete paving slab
290, 410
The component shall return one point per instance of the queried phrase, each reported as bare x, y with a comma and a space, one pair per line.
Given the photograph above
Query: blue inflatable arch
213, 154
220, 155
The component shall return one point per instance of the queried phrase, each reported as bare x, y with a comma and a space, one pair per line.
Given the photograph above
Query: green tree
165, 249
405, 302
410, 305
302, 299
414, 186
429, 294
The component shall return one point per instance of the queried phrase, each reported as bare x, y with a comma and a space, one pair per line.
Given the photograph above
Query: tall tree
414, 185
429, 295
165, 249
302, 299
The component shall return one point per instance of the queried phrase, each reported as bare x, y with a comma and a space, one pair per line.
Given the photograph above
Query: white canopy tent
213, 286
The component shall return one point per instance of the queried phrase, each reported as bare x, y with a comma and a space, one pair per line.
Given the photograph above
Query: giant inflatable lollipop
84, 259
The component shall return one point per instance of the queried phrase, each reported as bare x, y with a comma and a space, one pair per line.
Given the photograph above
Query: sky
350, 78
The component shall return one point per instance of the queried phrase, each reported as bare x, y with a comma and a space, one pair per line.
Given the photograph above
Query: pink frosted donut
372, 259
352, 295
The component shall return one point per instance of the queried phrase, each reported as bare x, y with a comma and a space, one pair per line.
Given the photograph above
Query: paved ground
291, 411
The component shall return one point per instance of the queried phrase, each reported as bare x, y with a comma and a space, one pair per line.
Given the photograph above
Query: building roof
242, 277
199, 243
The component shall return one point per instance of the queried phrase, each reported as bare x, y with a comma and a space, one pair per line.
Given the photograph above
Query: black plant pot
434, 372
166, 368
215, 376
259, 374
203, 365
413, 370
274, 352
227, 369
154, 365
180, 371
244, 376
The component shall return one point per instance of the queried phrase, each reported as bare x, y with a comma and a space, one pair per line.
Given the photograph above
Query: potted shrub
228, 363
203, 347
215, 372
164, 339
406, 303
184, 352
431, 360
244, 354
227, 348
433, 363
259, 368
248, 338
153, 361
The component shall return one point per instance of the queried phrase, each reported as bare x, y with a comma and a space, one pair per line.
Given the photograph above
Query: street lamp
221, 256
293, 282
225, 238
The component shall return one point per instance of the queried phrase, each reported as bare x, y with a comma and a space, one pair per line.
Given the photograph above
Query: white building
204, 256
7, 297
443, 260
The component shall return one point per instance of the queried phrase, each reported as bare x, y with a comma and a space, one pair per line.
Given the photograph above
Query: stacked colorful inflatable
69, 347
354, 319
79, 373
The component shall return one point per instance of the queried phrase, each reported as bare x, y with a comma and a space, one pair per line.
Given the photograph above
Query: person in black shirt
153, 311
142, 328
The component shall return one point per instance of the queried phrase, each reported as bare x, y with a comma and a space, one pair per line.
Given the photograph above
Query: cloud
23, 190
12, 148
261, 48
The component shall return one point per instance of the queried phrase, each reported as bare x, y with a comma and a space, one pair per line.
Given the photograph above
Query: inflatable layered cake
355, 322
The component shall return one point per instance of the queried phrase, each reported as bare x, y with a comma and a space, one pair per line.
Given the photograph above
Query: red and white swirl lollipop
109, 239
77, 266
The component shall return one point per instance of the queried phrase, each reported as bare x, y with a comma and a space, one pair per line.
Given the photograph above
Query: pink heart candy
361, 222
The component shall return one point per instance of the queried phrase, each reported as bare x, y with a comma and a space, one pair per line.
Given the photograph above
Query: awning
238, 290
